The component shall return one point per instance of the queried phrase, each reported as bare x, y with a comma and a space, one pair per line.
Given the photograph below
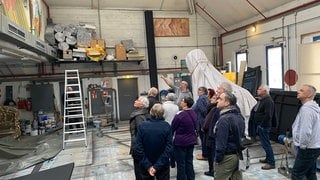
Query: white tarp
203, 73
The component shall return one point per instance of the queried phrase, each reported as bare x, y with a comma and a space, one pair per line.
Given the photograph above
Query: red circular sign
291, 77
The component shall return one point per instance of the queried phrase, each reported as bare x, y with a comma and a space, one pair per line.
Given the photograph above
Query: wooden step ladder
74, 126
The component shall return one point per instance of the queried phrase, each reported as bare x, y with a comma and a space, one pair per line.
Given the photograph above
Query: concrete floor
107, 157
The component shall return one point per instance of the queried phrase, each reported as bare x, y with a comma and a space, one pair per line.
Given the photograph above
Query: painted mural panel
174, 27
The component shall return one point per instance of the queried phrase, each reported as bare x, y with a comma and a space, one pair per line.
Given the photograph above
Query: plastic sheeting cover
16, 155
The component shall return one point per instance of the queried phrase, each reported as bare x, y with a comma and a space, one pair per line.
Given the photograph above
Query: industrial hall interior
161, 89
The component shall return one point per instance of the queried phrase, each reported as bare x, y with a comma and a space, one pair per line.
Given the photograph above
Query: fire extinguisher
28, 104
21, 103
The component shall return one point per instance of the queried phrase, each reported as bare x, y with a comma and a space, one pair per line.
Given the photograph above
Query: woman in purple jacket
184, 131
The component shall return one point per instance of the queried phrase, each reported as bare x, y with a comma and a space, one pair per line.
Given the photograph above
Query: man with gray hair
262, 115
229, 127
170, 108
306, 134
181, 92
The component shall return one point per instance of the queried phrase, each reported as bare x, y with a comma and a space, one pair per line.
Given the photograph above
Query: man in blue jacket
226, 159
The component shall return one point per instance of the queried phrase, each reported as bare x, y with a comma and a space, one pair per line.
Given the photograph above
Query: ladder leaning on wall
74, 127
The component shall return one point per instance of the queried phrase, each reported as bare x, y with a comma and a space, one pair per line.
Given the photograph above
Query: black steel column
151, 49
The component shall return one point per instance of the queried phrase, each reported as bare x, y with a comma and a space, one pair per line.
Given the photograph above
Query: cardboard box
67, 55
93, 43
100, 42
120, 52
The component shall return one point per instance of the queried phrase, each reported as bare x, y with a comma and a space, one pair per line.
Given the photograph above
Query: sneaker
263, 161
268, 166
200, 157
209, 173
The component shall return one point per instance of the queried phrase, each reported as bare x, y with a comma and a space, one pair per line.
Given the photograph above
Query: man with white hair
170, 108
262, 113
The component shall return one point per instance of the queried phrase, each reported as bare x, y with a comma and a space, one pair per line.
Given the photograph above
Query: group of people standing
163, 135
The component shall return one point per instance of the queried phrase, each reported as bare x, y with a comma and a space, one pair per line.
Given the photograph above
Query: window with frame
274, 62
241, 56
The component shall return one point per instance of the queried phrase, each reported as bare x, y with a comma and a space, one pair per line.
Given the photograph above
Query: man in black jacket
262, 114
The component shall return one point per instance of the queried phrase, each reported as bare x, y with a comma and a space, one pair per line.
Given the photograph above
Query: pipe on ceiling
256, 9
191, 6
206, 12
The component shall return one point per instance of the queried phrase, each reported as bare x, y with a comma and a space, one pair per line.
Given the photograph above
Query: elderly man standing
306, 134
226, 158
170, 108
181, 92
262, 114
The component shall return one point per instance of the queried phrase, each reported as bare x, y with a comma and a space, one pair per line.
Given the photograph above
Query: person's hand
162, 76
152, 171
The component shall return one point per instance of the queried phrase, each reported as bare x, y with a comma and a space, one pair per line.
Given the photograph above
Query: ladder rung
74, 116
73, 140
74, 99
75, 131
78, 106
74, 123
73, 84
72, 77
74, 107
71, 70
73, 92
75, 111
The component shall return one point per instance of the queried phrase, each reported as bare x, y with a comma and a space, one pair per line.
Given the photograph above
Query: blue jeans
184, 159
265, 142
305, 164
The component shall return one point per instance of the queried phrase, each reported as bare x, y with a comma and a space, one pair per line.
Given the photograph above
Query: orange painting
174, 27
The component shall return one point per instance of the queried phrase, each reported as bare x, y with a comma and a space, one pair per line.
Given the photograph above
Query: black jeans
184, 159
137, 169
305, 164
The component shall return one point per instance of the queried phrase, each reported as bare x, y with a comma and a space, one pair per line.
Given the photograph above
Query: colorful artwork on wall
171, 27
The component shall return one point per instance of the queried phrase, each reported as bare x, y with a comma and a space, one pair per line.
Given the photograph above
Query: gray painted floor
107, 157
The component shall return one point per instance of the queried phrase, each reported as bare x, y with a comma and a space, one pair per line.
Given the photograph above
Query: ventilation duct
16, 42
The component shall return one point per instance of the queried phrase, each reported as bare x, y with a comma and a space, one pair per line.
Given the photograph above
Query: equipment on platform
287, 148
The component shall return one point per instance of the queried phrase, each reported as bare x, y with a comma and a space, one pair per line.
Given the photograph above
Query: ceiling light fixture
253, 28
